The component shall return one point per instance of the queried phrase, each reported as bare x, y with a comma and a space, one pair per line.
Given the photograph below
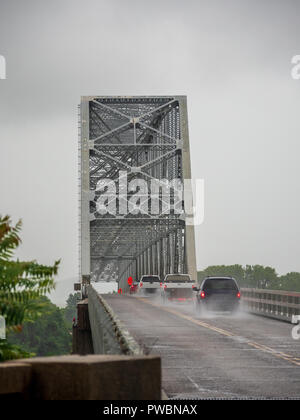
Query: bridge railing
274, 303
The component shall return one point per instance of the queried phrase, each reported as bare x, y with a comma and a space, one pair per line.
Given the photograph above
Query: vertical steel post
85, 189
190, 247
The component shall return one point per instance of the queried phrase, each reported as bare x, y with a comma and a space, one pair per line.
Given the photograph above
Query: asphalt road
215, 356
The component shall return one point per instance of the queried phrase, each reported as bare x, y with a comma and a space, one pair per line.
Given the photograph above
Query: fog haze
233, 61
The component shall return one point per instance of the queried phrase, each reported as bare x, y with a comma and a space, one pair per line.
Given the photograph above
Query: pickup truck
178, 288
149, 284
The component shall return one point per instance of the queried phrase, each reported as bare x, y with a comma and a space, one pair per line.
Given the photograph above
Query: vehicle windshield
149, 278
177, 278
215, 284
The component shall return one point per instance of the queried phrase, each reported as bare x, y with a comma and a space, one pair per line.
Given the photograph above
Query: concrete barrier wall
108, 333
91, 377
14, 380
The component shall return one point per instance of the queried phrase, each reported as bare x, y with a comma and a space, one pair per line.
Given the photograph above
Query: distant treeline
255, 276
51, 333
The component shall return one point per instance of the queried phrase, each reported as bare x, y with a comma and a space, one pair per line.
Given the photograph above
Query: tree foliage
290, 282
235, 271
22, 283
255, 276
10, 351
49, 335
70, 311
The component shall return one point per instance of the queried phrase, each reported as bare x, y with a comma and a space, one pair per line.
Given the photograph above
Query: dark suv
217, 294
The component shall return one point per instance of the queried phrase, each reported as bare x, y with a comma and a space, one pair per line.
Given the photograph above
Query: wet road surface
214, 356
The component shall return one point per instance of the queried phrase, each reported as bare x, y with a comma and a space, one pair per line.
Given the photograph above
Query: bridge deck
217, 356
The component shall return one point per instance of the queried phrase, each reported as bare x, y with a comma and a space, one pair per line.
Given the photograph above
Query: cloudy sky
231, 58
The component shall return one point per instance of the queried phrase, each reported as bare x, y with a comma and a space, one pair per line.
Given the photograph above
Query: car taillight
202, 295
141, 284
238, 295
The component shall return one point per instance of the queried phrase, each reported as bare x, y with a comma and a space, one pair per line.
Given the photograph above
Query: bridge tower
133, 220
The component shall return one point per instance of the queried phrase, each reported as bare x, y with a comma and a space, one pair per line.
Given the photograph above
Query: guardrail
109, 334
273, 303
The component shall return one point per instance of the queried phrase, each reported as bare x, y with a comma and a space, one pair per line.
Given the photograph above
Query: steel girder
146, 138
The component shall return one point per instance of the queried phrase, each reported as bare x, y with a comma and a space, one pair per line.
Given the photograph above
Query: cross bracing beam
145, 139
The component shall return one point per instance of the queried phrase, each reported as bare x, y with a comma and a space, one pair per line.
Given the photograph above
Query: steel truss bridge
134, 141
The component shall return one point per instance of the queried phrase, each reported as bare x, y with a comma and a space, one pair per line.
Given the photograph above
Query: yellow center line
276, 353
261, 347
191, 319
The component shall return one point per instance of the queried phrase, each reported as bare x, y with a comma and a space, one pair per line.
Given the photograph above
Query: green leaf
22, 283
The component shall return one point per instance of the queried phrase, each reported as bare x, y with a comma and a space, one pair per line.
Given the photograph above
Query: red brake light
202, 295
238, 295
141, 284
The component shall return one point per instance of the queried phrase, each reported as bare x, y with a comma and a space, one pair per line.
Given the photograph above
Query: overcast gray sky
231, 58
